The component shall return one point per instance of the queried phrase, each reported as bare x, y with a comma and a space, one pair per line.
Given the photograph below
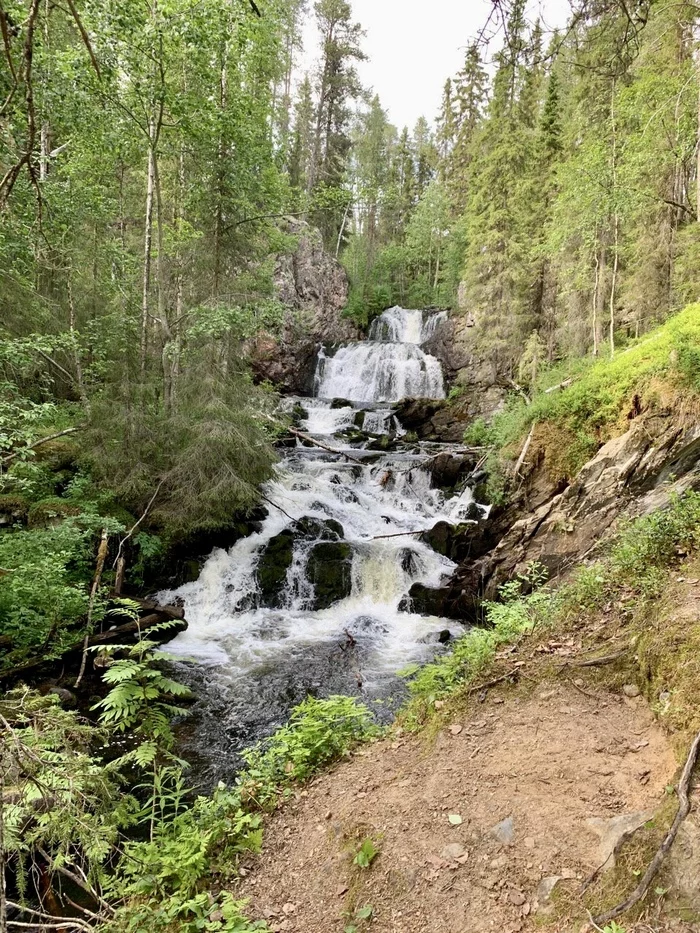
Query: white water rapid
265, 624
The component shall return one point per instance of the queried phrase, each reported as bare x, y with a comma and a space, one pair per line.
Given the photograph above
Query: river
315, 601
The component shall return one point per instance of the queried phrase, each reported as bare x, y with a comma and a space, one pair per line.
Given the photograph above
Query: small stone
517, 898
546, 886
529, 842
289, 908
548, 694
631, 690
500, 862
568, 873
612, 830
453, 852
455, 730
505, 831
340, 890
439, 704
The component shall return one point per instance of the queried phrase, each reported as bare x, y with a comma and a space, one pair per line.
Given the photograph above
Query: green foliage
43, 596
517, 614
366, 854
595, 405
318, 732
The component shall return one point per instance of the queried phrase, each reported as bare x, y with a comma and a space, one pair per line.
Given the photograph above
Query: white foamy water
389, 366
258, 661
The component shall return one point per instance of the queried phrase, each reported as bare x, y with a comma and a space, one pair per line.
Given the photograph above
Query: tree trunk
147, 247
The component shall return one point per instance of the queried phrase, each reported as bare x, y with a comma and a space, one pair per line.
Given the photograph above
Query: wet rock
327, 529
505, 831
425, 600
330, 571
275, 560
453, 541
65, 697
340, 403
359, 419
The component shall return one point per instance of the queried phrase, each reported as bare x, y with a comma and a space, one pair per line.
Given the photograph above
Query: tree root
683, 810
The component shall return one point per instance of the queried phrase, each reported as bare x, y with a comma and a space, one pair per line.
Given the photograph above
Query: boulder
275, 560
330, 570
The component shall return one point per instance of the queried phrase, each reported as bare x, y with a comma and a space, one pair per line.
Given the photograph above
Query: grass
632, 576
573, 422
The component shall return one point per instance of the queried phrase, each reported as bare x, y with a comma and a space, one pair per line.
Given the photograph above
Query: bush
318, 732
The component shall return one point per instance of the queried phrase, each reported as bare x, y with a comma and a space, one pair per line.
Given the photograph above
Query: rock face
631, 475
457, 344
314, 289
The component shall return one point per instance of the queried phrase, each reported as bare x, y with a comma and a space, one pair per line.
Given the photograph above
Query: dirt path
550, 761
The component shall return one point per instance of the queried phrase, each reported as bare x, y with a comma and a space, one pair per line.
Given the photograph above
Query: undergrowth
594, 407
636, 564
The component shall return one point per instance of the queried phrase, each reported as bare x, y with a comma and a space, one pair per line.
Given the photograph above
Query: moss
59, 454
660, 369
48, 512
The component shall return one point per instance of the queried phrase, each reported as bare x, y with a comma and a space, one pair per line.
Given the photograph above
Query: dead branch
562, 385
596, 662
515, 673
42, 440
99, 567
523, 452
683, 810
331, 450
275, 506
134, 527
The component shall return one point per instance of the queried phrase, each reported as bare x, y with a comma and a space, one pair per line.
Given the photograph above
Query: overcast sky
415, 45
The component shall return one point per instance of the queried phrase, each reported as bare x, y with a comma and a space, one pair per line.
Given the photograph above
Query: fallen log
158, 616
330, 450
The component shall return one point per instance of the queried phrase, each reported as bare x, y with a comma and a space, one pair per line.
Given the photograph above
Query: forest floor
542, 774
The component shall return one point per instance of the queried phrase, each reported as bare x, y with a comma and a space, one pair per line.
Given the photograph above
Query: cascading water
310, 603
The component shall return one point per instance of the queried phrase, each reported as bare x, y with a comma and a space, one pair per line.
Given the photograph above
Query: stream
315, 602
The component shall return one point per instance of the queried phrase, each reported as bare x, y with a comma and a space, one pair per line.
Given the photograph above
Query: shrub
318, 732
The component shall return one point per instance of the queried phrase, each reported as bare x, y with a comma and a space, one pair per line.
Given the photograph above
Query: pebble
453, 851
505, 831
517, 898
631, 690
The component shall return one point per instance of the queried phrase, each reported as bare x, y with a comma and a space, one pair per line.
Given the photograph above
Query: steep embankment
504, 812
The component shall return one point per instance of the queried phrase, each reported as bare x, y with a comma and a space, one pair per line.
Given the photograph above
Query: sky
415, 45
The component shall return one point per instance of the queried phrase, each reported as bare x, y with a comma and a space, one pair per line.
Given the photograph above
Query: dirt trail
550, 760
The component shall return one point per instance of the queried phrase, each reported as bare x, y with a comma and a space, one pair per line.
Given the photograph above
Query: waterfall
389, 366
337, 545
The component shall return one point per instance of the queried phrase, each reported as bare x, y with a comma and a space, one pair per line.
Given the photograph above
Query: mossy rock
13, 510
359, 419
50, 512
60, 454
330, 571
275, 560
323, 529
341, 403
